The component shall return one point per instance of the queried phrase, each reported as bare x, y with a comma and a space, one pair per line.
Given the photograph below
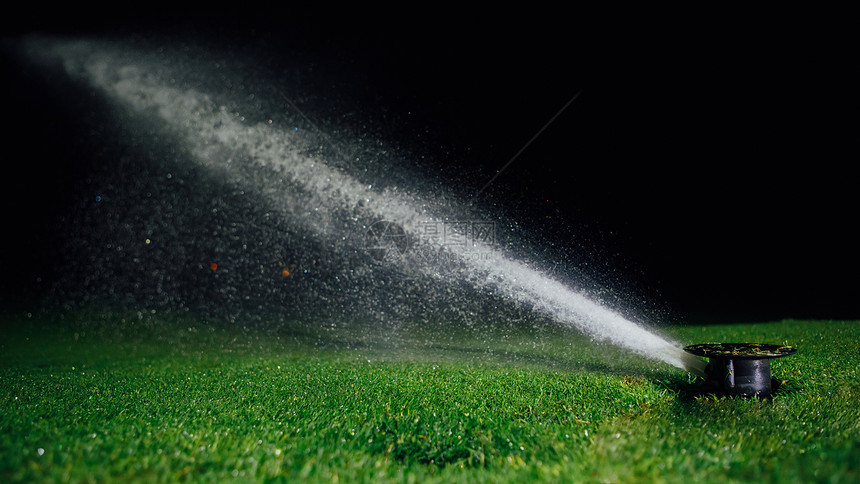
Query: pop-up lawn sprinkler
740, 368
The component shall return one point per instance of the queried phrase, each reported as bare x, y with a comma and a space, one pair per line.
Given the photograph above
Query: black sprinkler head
740, 368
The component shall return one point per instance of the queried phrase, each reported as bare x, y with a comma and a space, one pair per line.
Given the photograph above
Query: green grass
147, 399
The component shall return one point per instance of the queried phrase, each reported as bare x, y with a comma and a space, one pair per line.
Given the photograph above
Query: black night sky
709, 160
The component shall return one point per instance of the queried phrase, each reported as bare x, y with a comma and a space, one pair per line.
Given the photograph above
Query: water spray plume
222, 140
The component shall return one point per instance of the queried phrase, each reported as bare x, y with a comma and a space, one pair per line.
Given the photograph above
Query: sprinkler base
740, 369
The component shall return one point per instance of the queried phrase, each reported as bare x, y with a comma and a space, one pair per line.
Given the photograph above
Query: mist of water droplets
302, 193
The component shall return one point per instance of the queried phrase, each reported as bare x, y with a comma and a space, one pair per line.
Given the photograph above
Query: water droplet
40, 451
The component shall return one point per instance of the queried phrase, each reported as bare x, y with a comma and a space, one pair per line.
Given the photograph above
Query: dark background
707, 159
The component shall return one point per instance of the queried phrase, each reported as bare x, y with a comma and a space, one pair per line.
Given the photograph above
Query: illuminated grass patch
80, 404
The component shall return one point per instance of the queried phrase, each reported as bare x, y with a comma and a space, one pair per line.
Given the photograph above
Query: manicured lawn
158, 398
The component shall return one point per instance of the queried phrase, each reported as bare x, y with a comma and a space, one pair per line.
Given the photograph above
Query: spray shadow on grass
538, 348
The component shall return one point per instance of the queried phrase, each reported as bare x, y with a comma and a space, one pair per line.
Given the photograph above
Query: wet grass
164, 399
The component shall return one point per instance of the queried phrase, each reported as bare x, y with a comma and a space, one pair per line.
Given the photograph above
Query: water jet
239, 187
740, 369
